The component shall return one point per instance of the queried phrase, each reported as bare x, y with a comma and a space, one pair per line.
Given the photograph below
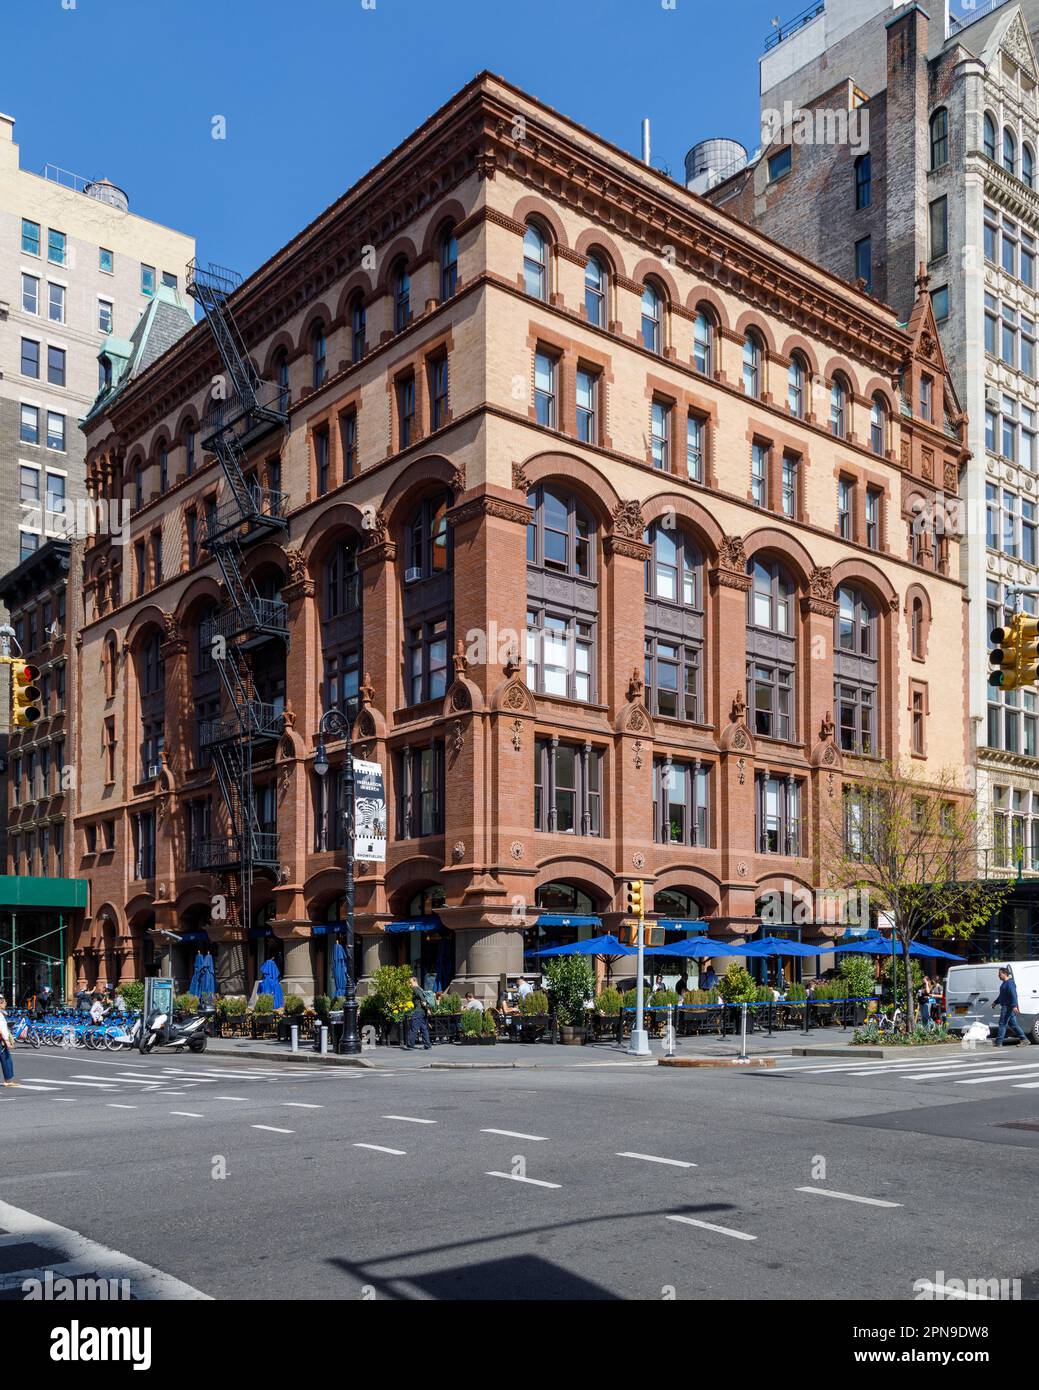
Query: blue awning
566, 919
194, 936
677, 924
326, 928
416, 924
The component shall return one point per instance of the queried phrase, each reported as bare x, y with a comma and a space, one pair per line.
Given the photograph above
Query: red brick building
604, 502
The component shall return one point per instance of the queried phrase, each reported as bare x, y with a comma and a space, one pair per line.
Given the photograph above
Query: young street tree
914, 847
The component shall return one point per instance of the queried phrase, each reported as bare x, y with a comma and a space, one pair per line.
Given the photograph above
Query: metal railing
783, 31
268, 400
225, 852
259, 615
976, 12
267, 506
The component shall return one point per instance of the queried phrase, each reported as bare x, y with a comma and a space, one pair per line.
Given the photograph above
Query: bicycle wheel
33, 1037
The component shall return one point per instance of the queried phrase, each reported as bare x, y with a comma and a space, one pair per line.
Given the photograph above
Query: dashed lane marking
654, 1158
515, 1177
848, 1197
381, 1149
410, 1119
515, 1134
710, 1226
273, 1129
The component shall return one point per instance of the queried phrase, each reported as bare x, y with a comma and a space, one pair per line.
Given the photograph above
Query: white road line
1014, 1071
273, 1129
127, 1080
848, 1197
515, 1177
1024, 1085
229, 1097
926, 1286
653, 1158
47, 1090
514, 1134
93, 1085
380, 1148
410, 1119
188, 1114
114, 1105
301, 1105
75, 1254
709, 1226
987, 1071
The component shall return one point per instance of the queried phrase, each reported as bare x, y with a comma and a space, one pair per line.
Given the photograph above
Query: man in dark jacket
419, 1021
1008, 1008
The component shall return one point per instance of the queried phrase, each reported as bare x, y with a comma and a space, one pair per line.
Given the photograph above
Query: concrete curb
926, 1050
716, 1061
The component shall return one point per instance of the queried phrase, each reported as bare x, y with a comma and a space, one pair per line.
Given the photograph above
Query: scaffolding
246, 410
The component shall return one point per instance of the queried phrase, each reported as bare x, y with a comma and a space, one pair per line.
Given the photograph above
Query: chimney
905, 157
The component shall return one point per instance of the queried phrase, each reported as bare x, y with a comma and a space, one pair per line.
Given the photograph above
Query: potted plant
392, 994
232, 1015
444, 1018
737, 986
293, 1014
534, 1008
470, 1027
607, 1013
183, 1005
489, 1030
571, 981
858, 976
263, 1020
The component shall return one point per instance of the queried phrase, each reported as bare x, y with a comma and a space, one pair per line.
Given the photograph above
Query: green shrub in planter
536, 1002
322, 1004
662, 997
797, 991
133, 992
763, 994
393, 990
234, 1005
449, 1004
264, 1004
294, 1004
737, 985
572, 981
471, 1023
630, 998
369, 1009
609, 1001
186, 1003
490, 1024
858, 975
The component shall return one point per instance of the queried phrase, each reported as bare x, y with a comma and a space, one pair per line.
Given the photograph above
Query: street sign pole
639, 1045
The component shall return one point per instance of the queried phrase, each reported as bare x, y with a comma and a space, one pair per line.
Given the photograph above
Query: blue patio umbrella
698, 947
339, 970
270, 983
884, 948
207, 978
595, 946
776, 946
195, 987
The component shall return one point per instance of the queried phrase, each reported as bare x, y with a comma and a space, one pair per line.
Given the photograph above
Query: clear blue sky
315, 91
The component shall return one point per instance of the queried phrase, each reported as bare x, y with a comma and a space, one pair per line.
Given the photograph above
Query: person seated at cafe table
504, 1007
471, 1002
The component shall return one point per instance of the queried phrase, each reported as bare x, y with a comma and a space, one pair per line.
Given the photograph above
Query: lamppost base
639, 1044
350, 1042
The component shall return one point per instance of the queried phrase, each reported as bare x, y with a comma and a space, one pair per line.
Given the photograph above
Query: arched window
205, 683
562, 599
1027, 166
358, 327
674, 624
448, 262
989, 136
401, 296
1009, 151
151, 686
751, 366
855, 672
318, 352
797, 376
341, 626
652, 337
190, 443
281, 377
535, 262
939, 138
771, 650
703, 343
839, 402
595, 287
428, 598
164, 466
917, 623
878, 426
138, 486
111, 664
863, 181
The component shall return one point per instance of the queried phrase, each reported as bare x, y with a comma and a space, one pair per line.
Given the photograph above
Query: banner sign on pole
369, 813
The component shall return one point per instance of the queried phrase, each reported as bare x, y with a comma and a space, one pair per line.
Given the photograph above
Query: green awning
21, 891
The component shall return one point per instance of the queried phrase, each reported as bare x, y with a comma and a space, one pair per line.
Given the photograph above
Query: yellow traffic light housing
1015, 653
1027, 649
636, 901
26, 697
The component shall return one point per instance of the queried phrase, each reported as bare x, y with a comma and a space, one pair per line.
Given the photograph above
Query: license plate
959, 1008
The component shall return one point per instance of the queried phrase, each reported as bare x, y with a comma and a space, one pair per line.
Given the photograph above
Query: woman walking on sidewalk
6, 1046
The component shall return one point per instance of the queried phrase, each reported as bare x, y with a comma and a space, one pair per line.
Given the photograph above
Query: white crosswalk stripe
967, 1069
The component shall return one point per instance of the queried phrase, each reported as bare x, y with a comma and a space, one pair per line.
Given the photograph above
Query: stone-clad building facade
587, 482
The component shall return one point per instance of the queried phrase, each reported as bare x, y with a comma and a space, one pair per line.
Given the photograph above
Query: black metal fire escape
248, 512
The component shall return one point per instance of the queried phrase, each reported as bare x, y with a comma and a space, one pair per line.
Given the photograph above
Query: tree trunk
910, 1001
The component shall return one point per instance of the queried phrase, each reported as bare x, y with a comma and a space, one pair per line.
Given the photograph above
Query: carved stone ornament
297, 563
288, 716
927, 344
742, 869
637, 754
457, 483
376, 527
460, 698
637, 721
741, 770
520, 480
738, 711
830, 756
457, 736
638, 860
827, 727
366, 690
628, 521
636, 685
830, 784
365, 725
517, 732
515, 698
820, 583
461, 661
171, 628
511, 666
739, 740
458, 851
516, 850
732, 553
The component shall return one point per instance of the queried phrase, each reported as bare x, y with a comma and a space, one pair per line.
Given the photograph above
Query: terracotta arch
702, 297
412, 874
708, 532
361, 281
404, 247
916, 593
771, 540
188, 414
533, 207
146, 618
865, 574
594, 489
451, 211
204, 589
328, 527
797, 343
110, 912
751, 319
190, 898
318, 313
840, 366
419, 478
877, 386
280, 342
650, 269
586, 874
321, 889
592, 240
691, 879
264, 554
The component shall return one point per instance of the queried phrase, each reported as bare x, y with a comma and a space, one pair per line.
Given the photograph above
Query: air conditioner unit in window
153, 770
411, 575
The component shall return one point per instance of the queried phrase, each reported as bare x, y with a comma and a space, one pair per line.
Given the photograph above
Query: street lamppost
338, 723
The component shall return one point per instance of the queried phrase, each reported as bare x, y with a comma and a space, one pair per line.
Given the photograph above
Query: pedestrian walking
923, 998
6, 1046
1008, 1008
419, 1019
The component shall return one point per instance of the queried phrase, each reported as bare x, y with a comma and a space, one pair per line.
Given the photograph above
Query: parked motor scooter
189, 1035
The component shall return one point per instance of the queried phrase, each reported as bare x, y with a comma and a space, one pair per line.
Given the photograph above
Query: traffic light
636, 903
1015, 653
25, 694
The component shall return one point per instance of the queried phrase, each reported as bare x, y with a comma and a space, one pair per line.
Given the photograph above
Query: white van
970, 990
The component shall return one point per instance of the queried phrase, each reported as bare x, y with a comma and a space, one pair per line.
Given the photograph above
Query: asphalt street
820, 1178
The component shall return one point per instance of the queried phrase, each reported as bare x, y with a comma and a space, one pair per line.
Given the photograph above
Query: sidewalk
451, 1056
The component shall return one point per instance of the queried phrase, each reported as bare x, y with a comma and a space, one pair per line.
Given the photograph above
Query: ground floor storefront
40, 920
